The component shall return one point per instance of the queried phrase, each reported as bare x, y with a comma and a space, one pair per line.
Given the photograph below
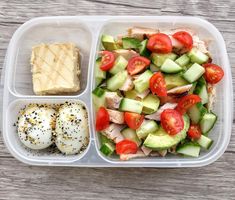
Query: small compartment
48, 155
222, 108
43, 30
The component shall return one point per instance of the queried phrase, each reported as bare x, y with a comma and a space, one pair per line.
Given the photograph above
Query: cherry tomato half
102, 119
172, 121
160, 43
184, 38
126, 147
107, 60
187, 102
133, 120
194, 132
157, 84
214, 73
137, 64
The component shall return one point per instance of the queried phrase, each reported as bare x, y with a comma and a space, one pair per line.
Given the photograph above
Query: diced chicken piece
154, 154
141, 32
175, 43
180, 89
112, 100
168, 99
200, 44
146, 150
116, 116
128, 84
162, 153
127, 54
143, 94
156, 115
113, 132
172, 149
126, 157
211, 96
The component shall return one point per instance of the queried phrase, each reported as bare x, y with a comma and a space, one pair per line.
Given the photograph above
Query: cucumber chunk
183, 60
130, 134
130, 43
107, 146
205, 142
143, 48
169, 66
207, 122
201, 90
98, 72
98, 97
158, 59
151, 104
131, 105
116, 81
149, 126
196, 112
119, 65
174, 80
197, 56
142, 82
189, 149
194, 73
108, 42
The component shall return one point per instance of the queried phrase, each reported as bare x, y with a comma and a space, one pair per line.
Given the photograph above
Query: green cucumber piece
169, 66
205, 142
130, 43
116, 81
183, 60
197, 56
131, 94
107, 149
196, 112
142, 82
158, 59
149, 126
174, 80
130, 134
151, 104
98, 97
194, 73
189, 149
201, 90
143, 48
131, 105
98, 72
108, 42
119, 65
207, 122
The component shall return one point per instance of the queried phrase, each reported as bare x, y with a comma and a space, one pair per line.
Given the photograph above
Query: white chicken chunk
127, 54
116, 116
156, 115
113, 132
128, 84
138, 154
112, 100
140, 32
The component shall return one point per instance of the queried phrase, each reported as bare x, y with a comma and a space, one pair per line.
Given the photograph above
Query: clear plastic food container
85, 32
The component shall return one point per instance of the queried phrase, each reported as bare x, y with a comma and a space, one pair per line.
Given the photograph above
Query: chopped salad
154, 93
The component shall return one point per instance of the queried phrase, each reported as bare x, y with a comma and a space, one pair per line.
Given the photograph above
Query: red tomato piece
184, 38
133, 120
187, 102
107, 60
172, 121
213, 73
194, 132
137, 64
102, 119
126, 147
160, 43
157, 84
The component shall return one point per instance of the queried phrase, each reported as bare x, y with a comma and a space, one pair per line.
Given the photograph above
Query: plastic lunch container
85, 32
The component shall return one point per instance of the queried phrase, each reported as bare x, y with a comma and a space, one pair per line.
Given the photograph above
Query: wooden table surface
20, 181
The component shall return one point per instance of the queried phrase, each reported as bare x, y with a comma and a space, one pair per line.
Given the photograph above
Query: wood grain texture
216, 181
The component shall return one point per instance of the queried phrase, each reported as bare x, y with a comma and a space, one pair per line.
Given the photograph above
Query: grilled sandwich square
55, 68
